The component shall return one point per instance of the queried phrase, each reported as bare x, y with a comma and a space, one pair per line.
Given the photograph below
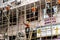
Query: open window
5, 1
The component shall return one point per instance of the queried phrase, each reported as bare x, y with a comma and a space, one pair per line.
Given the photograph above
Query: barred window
5, 1
30, 15
13, 18
21, 14
3, 19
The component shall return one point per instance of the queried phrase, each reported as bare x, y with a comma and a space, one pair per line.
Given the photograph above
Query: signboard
46, 31
49, 21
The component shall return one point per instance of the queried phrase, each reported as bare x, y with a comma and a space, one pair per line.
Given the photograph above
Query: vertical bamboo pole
12, 23
57, 13
57, 8
46, 8
40, 18
2, 19
46, 33
30, 33
8, 24
51, 19
17, 22
25, 20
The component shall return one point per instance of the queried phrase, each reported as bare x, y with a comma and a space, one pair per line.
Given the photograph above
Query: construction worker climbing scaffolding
27, 29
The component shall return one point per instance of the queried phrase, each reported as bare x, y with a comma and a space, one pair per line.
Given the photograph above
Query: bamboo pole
40, 18
31, 32
12, 23
51, 19
46, 28
8, 24
17, 22
56, 16
25, 19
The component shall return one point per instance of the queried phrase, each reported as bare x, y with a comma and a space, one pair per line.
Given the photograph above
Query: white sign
49, 20
46, 31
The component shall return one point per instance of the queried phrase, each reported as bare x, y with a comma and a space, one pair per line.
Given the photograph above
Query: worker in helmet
27, 28
7, 8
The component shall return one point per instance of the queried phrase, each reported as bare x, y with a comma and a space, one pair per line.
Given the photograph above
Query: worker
27, 29
8, 8
59, 2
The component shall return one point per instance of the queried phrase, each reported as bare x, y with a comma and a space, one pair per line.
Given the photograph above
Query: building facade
45, 18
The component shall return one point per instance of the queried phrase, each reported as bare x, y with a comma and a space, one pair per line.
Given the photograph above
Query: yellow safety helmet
27, 22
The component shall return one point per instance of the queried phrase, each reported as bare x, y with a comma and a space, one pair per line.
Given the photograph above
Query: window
12, 37
13, 18
3, 19
21, 12
42, 4
5, 1
31, 16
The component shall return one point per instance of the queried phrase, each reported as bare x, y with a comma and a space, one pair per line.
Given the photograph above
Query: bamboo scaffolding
38, 21
40, 18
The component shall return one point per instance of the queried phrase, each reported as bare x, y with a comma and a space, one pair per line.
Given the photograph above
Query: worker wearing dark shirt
27, 29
